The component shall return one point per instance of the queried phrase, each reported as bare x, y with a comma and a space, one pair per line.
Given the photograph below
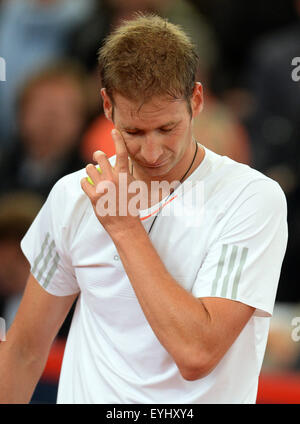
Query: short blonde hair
146, 57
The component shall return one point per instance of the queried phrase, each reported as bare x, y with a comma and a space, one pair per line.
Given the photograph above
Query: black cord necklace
172, 191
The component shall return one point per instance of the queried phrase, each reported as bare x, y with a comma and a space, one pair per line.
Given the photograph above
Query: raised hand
110, 192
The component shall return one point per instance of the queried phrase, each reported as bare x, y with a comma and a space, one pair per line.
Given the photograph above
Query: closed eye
132, 133
163, 130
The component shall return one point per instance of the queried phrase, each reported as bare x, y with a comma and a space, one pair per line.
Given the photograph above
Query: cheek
133, 145
177, 140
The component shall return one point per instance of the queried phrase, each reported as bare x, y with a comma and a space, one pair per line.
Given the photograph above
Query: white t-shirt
232, 248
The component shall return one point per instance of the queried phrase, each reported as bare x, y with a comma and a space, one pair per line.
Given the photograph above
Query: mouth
153, 165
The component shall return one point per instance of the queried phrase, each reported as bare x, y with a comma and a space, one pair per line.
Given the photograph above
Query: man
172, 307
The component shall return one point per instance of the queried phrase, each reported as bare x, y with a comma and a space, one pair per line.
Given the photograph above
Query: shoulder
68, 189
67, 199
232, 183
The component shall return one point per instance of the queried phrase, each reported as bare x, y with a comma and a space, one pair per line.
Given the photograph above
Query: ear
107, 104
197, 101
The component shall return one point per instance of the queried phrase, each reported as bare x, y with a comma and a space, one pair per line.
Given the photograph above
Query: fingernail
95, 153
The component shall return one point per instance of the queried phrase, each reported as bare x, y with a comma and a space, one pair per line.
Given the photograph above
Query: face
158, 136
52, 119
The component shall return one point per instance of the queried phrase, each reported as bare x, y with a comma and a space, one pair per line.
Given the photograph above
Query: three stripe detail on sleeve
229, 270
48, 260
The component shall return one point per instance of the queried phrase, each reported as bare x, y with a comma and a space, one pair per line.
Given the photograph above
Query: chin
158, 172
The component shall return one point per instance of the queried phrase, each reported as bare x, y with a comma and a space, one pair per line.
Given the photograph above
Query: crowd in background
51, 118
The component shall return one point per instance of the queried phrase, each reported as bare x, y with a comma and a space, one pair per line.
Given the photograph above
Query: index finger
121, 151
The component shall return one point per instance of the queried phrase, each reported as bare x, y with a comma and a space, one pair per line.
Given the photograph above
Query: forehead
156, 112
55, 90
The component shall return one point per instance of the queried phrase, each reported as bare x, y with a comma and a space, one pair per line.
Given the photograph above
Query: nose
151, 151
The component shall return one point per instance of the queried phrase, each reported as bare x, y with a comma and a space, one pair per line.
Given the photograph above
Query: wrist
128, 230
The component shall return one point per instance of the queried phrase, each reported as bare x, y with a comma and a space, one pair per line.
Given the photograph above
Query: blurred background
51, 122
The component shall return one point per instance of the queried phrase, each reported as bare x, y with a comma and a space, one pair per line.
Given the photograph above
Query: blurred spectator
274, 128
219, 130
32, 34
283, 350
237, 25
52, 116
17, 211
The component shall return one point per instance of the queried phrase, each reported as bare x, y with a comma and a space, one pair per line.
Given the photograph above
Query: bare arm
23, 356
196, 332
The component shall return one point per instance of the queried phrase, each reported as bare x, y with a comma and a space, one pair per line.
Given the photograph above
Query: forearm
179, 320
19, 374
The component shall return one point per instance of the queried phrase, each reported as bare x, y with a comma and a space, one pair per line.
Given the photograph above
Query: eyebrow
168, 124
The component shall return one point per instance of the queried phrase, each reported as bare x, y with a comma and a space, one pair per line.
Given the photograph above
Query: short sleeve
45, 246
243, 262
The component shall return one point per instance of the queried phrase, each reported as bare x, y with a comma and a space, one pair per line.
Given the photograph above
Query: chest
180, 241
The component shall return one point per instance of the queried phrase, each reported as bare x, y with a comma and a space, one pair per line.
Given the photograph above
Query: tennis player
173, 302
